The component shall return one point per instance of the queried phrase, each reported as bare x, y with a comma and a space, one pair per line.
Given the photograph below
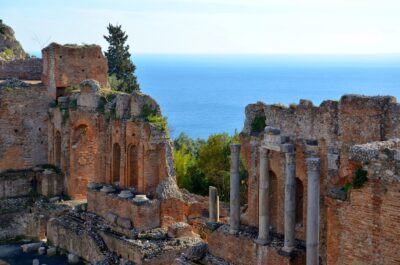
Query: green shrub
159, 121
258, 124
101, 105
360, 178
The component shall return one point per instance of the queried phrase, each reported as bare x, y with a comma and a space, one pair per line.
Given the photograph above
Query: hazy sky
212, 26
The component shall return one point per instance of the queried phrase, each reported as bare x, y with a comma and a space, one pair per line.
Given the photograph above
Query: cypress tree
120, 65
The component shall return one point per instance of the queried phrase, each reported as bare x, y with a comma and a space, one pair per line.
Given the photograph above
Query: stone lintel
269, 130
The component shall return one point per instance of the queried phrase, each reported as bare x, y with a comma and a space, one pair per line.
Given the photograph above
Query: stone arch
133, 166
82, 162
299, 201
273, 200
116, 163
57, 149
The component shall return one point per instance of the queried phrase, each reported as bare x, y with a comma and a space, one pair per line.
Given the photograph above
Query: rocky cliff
10, 48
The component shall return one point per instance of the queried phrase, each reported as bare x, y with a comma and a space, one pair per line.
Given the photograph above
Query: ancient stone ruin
83, 167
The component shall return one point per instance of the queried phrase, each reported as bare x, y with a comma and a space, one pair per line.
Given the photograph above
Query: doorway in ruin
273, 200
82, 161
57, 149
299, 202
133, 168
116, 164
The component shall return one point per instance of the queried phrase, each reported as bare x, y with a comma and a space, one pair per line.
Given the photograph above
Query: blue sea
206, 94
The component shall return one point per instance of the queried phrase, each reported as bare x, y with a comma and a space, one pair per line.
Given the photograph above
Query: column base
213, 225
287, 252
233, 231
262, 242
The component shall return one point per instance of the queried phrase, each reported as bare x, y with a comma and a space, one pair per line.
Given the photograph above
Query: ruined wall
242, 250
26, 69
67, 65
23, 125
364, 229
107, 140
336, 125
142, 216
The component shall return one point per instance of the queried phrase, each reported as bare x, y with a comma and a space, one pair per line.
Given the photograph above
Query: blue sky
217, 26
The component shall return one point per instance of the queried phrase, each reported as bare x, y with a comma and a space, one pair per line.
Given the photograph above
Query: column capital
313, 164
263, 151
287, 148
235, 148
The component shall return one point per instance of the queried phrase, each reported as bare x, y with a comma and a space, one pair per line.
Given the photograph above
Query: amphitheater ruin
84, 169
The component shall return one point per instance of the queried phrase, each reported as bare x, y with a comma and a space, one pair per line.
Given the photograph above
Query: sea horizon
204, 94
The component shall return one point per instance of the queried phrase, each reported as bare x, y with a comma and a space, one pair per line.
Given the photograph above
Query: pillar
263, 199
213, 205
234, 220
312, 241
290, 197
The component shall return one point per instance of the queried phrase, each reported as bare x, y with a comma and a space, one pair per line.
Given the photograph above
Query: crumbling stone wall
23, 125
68, 65
26, 69
336, 125
364, 229
91, 127
142, 216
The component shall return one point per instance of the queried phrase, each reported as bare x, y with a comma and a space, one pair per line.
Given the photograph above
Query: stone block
73, 259
111, 218
333, 161
180, 229
124, 223
51, 251
31, 247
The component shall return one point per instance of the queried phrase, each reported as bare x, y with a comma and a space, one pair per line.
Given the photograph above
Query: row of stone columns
313, 173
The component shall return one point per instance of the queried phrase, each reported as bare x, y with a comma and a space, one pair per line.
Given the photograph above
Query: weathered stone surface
72, 258
67, 65
180, 229
31, 247
23, 126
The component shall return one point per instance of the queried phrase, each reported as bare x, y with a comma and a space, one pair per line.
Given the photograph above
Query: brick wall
23, 126
27, 69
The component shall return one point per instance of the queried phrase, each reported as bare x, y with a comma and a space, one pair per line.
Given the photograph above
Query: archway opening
116, 163
299, 201
57, 149
273, 200
133, 167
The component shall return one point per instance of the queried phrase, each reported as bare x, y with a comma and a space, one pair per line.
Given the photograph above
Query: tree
120, 65
200, 163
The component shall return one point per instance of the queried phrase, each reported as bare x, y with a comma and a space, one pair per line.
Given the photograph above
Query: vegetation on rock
258, 124
120, 67
360, 177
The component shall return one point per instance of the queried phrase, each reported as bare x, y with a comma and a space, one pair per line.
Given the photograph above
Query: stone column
213, 205
290, 197
313, 171
234, 220
263, 198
